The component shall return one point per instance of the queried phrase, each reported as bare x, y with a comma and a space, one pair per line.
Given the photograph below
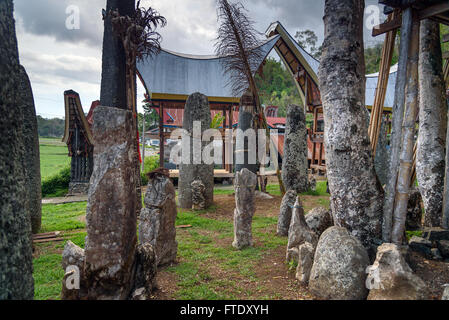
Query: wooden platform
220, 173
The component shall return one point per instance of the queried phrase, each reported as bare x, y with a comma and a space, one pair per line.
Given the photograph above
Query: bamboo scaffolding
382, 84
445, 220
398, 116
408, 136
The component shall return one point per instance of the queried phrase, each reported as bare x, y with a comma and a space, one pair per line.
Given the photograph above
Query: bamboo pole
408, 137
398, 116
379, 99
143, 143
445, 220
413, 173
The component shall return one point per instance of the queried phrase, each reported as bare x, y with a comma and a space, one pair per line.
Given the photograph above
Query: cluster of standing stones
117, 264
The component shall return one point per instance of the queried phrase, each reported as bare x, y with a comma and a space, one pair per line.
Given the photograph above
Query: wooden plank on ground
46, 235
48, 240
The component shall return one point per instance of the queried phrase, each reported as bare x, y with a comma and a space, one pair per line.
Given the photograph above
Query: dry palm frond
138, 32
239, 42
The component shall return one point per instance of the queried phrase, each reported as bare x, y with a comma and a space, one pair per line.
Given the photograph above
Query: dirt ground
272, 274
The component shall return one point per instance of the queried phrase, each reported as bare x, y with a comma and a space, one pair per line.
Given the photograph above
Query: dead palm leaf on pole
240, 43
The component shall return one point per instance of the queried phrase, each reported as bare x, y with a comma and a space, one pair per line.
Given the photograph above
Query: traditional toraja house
170, 77
78, 137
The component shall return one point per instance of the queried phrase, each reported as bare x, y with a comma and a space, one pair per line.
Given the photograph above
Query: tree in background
307, 39
276, 86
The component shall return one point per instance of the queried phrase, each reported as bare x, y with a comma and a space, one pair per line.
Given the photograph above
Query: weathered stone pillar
197, 111
356, 195
157, 220
198, 198
245, 185
285, 213
430, 164
111, 209
31, 143
299, 232
16, 280
243, 143
294, 164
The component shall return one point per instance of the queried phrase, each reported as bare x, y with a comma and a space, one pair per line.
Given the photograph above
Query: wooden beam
387, 26
425, 13
433, 10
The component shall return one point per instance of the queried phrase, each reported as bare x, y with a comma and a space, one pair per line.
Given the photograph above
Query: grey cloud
48, 18
48, 69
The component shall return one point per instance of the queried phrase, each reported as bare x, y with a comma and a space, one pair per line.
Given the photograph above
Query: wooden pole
445, 221
379, 99
408, 136
143, 143
161, 135
398, 116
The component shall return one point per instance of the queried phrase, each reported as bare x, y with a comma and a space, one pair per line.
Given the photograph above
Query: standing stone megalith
245, 186
243, 157
157, 219
111, 209
356, 195
430, 164
285, 213
299, 232
294, 163
16, 280
196, 112
198, 198
32, 159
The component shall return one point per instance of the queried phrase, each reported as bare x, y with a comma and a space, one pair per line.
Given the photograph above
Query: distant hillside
50, 127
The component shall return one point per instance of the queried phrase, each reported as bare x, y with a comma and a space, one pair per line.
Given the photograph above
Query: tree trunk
396, 134
445, 222
16, 280
113, 78
356, 194
408, 137
432, 123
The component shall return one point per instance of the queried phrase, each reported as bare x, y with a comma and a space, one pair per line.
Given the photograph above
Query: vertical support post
408, 136
398, 116
445, 222
143, 143
161, 135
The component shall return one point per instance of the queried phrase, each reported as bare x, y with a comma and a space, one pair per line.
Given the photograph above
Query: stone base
78, 188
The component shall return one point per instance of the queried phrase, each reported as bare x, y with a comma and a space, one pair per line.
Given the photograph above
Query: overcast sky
58, 59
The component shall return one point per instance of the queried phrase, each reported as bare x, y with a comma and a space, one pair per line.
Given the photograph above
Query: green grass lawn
53, 154
204, 247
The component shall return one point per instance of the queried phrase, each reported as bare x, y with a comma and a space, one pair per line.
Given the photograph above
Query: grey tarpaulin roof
171, 73
371, 85
181, 74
